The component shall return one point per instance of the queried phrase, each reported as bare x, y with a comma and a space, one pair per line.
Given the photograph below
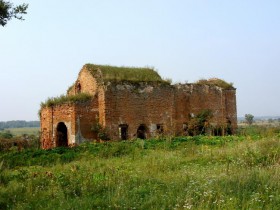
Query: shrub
215, 82
6, 135
100, 131
198, 123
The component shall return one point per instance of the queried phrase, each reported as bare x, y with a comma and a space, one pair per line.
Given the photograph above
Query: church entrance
61, 135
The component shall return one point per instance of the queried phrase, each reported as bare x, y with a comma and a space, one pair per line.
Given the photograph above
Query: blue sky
185, 40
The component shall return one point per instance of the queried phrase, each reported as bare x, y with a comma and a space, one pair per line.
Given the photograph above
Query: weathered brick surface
149, 104
135, 105
50, 117
78, 119
192, 98
85, 82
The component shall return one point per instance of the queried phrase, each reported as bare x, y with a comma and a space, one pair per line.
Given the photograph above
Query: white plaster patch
153, 127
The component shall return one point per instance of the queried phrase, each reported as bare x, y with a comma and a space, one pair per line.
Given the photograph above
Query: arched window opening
61, 135
78, 88
160, 128
142, 132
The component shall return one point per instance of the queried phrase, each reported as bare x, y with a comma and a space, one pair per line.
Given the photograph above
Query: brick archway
61, 135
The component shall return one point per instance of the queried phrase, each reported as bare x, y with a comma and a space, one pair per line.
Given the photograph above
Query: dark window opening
159, 128
123, 131
141, 132
228, 127
78, 88
61, 135
218, 131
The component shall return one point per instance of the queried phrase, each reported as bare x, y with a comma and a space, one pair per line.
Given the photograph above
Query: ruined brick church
120, 103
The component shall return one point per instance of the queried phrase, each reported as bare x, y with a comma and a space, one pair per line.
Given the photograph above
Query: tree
249, 118
9, 11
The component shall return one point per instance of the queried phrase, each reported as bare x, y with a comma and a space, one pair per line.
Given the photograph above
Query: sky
184, 40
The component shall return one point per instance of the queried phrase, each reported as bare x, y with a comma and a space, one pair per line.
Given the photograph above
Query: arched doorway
61, 135
142, 132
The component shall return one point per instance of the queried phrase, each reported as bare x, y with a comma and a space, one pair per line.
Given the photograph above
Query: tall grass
82, 97
180, 173
64, 99
216, 82
113, 73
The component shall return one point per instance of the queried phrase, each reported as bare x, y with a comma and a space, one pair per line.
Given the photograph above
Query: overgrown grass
19, 143
63, 99
215, 82
234, 172
113, 73
258, 130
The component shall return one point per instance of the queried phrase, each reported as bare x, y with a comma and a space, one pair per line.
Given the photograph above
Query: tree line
18, 124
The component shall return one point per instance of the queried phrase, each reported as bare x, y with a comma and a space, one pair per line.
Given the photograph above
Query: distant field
21, 131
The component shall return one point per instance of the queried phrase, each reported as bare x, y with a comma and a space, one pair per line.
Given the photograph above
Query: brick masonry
124, 107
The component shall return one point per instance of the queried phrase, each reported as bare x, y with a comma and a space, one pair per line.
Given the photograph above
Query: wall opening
185, 129
78, 88
142, 132
61, 135
123, 131
218, 131
160, 128
228, 127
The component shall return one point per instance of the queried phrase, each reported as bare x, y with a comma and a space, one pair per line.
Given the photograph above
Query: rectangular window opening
123, 128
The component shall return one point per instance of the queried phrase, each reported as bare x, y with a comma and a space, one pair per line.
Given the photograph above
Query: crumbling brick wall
84, 84
138, 104
78, 119
193, 98
50, 117
158, 107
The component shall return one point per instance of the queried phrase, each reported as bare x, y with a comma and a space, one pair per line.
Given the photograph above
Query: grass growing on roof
134, 74
215, 82
82, 97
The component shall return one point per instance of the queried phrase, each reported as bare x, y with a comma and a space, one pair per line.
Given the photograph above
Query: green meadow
201, 172
22, 131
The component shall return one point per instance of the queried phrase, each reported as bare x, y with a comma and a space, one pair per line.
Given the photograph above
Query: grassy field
21, 131
174, 173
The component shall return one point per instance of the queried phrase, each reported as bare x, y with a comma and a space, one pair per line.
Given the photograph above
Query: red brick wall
167, 105
86, 115
138, 104
135, 104
193, 98
78, 119
50, 117
87, 83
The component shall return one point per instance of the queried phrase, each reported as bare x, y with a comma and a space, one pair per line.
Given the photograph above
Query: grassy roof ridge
62, 99
123, 73
215, 82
